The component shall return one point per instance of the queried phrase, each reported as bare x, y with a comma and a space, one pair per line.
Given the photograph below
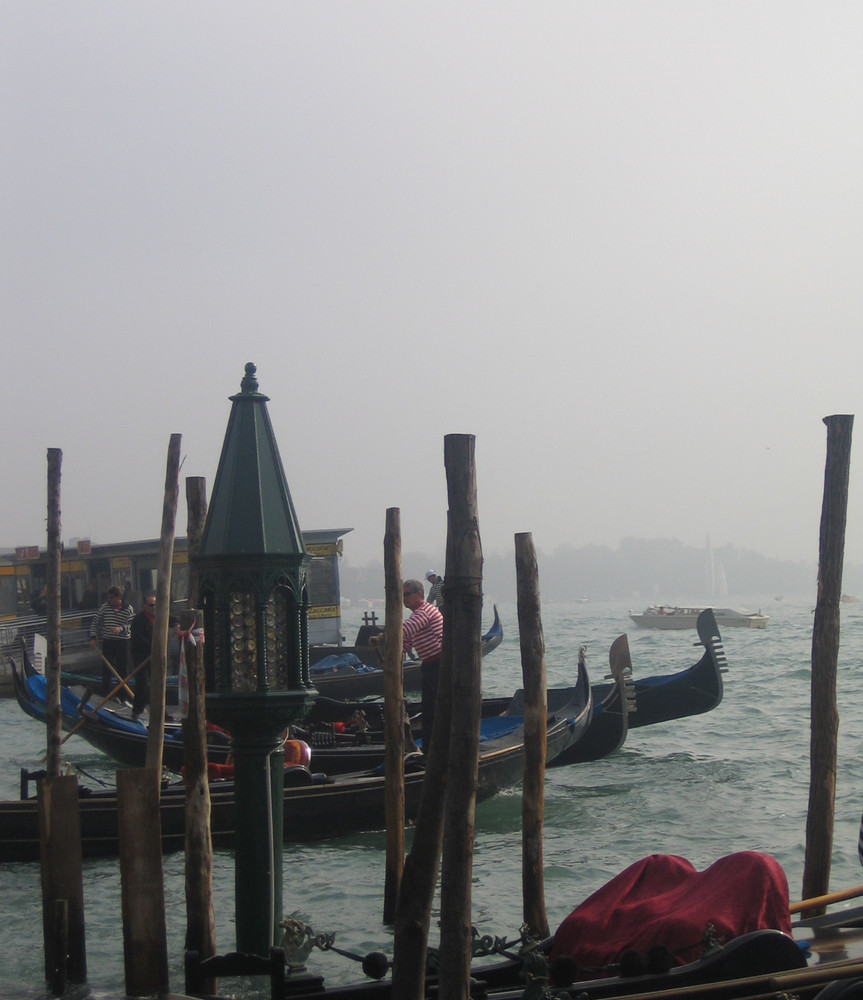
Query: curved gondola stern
583, 690
27, 666
608, 720
22, 693
493, 638
575, 713
708, 634
583, 698
620, 663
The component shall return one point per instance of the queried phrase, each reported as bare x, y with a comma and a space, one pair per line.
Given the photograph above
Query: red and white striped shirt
423, 631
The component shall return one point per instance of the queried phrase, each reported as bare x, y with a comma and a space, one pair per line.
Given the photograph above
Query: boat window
23, 594
8, 603
180, 583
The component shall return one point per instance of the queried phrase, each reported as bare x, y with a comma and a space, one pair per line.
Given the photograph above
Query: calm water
734, 779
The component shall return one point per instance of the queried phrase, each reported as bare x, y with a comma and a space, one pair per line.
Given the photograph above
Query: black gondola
316, 806
125, 740
693, 691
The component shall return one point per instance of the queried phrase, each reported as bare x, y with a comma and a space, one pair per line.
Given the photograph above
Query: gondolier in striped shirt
422, 633
111, 626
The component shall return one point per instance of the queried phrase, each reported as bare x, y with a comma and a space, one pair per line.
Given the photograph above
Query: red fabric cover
663, 900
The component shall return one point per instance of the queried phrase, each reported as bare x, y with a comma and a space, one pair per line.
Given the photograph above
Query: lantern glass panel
244, 659
277, 639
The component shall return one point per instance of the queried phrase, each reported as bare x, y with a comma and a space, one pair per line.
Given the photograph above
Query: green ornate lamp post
253, 570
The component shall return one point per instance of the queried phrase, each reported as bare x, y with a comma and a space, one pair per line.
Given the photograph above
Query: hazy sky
620, 243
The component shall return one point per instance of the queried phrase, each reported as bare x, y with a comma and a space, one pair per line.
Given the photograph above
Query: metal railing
74, 630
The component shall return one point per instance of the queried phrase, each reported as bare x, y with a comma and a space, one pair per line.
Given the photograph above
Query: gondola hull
760, 953
318, 807
126, 741
609, 721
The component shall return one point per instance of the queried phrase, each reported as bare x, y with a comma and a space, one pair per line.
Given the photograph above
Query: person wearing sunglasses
142, 644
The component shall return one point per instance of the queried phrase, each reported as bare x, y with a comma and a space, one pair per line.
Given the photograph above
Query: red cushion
663, 900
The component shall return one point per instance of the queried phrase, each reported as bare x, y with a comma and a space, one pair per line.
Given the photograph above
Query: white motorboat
668, 617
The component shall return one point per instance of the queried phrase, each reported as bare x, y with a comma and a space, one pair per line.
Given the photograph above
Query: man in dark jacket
142, 644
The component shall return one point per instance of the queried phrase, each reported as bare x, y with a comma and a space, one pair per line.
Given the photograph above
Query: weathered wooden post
159, 654
145, 941
53, 715
60, 947
394, 753
535, 713
200, 916
464, 583
59, 821
825, 654
413, 911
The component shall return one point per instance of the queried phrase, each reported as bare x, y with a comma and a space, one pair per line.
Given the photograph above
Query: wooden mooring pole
394, 752
159, 653
59, 821
53, 714
145, 941
825, 655
463, 616
200, 915
535, 712
413, 910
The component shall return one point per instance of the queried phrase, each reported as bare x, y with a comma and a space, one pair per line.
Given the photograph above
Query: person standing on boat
435, 596
111, 626
422, 633
142, 645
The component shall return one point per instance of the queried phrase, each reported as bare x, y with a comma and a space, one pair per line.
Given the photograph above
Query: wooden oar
104, 701
113, 670
830, 897
761, 987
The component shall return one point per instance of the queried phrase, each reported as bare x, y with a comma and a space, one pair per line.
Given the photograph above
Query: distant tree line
639, 569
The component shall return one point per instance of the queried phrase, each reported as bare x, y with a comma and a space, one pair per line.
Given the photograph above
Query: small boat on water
618, 705
345, 672
664, 616
110, 728
344, 738
625, 703
693, 691
316, 805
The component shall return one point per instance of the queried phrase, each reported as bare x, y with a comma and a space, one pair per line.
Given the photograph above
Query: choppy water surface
735, 779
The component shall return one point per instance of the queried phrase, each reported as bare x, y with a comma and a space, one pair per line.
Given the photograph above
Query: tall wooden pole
159, 654
200, 917
196, 512
53, 716
394, 767
464, 584
145, 942
535, 715
825, 655
59, 821
413, 911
